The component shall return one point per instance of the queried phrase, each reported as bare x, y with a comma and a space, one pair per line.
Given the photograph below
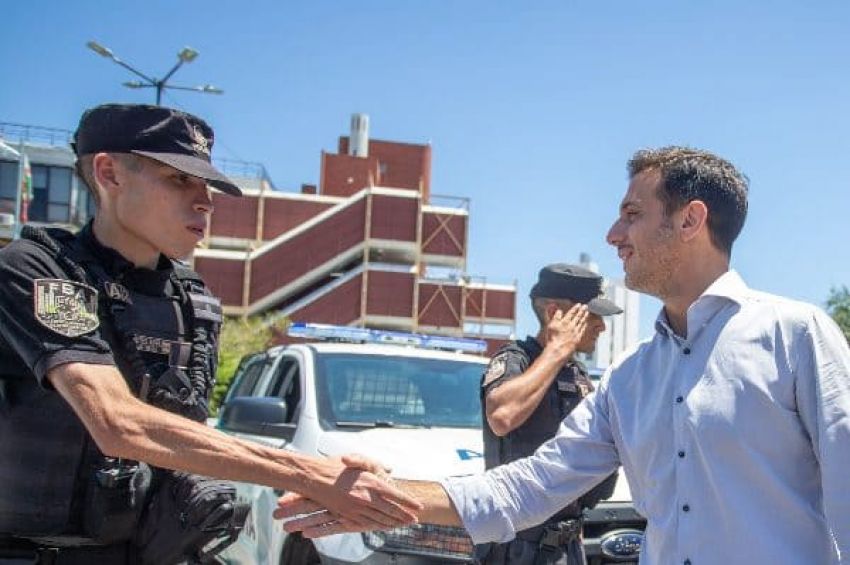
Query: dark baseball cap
176, 138
561, 281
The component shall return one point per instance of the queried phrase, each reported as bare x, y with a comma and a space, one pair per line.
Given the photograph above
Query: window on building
59, 195
8, 186
51, 188
86, 210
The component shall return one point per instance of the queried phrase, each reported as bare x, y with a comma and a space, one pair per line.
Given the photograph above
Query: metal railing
444, 200
243, 169
26, 133
57, 137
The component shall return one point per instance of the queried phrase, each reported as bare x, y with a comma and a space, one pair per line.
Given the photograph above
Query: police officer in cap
529, 387
108, 352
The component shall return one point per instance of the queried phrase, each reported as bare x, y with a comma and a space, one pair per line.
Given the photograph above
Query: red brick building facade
359, 251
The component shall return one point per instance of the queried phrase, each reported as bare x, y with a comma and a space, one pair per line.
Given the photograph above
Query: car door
261, 539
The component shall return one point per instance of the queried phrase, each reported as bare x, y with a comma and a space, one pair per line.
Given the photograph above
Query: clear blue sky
532, 108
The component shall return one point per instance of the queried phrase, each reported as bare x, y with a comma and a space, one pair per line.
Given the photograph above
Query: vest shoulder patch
65, 307
495, 369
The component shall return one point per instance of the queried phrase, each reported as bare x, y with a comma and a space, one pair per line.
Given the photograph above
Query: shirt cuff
64, 356
478, 508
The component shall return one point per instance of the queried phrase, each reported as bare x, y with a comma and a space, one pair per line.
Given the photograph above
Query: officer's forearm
123, 426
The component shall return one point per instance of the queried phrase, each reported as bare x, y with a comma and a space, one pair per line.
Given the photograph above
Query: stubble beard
655, 276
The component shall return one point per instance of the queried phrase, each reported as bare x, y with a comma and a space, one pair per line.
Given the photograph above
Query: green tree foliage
239, 337
838, 306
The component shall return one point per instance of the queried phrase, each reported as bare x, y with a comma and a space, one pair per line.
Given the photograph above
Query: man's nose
204, 201
615, 233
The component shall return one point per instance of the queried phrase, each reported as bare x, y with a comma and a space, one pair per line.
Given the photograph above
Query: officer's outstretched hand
360, 498
312, 519
564, 330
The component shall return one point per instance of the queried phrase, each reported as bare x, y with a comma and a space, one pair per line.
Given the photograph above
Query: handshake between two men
403, 502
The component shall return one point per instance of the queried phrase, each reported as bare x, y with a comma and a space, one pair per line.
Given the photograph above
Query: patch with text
66, 307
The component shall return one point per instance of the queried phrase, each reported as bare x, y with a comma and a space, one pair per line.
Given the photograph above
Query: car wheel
299, 551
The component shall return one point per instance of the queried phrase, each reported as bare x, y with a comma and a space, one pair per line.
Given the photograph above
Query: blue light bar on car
365, 335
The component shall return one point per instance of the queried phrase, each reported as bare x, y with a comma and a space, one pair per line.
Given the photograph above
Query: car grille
423, 539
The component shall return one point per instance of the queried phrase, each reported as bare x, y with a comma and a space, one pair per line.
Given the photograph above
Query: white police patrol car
407, 400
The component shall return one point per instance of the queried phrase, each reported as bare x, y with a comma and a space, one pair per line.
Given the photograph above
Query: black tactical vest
164, 344
565, 394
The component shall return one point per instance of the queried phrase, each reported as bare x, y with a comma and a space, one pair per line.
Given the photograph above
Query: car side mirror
257, 415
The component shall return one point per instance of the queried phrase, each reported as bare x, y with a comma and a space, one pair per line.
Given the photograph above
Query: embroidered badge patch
65, 307
565, 386
201, 143
495, 370
117, 292
150, 344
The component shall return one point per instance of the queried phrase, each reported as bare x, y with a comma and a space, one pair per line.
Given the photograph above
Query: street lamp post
186, 55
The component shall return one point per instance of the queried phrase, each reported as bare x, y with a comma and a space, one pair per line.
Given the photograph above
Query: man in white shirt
732, 423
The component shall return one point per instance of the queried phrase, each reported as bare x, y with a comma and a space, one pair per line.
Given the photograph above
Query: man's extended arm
508, 498
123, 426
509, 404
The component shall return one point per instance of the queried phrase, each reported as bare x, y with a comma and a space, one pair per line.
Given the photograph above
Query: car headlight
423, 539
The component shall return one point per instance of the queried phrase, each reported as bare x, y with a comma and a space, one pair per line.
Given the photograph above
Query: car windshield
362, 391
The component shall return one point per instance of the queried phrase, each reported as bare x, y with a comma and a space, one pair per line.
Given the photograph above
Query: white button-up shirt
735, 440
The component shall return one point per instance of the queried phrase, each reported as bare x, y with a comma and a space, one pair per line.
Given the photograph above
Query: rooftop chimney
586, 262
358, 143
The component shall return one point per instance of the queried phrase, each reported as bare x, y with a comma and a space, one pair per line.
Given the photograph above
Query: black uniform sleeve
40, 348
504, 366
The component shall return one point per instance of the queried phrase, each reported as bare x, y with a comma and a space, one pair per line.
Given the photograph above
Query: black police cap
176, 138
561, 281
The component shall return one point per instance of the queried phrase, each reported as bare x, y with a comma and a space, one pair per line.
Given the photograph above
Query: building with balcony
370, 246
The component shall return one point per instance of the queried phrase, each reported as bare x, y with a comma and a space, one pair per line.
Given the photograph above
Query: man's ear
105, 172
550, 309
694, 218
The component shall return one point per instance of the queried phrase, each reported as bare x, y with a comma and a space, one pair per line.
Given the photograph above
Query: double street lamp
186, 55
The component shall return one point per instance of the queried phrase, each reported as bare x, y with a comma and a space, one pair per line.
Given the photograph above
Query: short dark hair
84, 168
538, 304
689, 174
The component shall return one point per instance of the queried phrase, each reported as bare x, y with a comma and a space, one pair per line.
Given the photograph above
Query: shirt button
681, 454
686, 351
686, 508
679, 400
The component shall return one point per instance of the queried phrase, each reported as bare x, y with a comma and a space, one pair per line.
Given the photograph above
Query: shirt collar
533, 346
728, 287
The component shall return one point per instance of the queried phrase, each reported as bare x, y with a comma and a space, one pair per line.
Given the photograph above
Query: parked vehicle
409, 401
399, 398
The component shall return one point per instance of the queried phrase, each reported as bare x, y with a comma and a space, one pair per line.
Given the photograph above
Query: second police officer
529, 387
